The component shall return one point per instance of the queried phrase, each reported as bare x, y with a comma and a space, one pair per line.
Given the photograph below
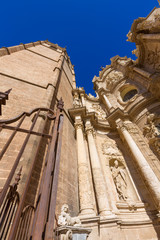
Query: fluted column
85, 190
148, 174
98, 178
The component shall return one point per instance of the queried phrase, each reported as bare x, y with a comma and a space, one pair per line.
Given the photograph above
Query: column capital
89, 128
82, 94
78, 124
120, 125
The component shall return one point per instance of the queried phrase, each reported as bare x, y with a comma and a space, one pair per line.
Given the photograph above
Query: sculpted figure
150, 130
66, 220
119, 177
76, 100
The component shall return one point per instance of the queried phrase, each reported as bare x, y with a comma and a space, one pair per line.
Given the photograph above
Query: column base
87, 213
107, 214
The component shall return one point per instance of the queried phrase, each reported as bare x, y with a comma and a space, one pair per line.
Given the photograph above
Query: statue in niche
76, 100
119, 178
66, 220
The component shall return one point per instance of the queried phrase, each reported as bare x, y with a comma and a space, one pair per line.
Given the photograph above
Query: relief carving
100, 113
152, 131
153, 58
110, 149
119, 178
113, 78
131, 127
85, 193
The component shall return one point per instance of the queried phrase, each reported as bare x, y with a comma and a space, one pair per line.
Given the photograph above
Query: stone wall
31, 71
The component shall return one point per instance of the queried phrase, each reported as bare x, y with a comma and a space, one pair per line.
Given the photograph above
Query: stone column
99, 182
108, 104
146, 171
85, 190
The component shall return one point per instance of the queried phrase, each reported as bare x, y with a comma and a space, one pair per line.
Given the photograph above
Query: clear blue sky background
93, 31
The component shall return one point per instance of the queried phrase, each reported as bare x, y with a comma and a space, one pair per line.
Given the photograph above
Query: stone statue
66, 220
119, 178
76, 100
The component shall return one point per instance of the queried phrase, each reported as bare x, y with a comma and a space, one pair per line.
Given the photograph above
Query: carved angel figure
119, 178
66, 220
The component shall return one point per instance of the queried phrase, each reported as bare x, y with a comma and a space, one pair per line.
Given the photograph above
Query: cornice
117, 114
9, 50
74, 112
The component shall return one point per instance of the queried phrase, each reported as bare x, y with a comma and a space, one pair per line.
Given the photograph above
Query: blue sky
93, 31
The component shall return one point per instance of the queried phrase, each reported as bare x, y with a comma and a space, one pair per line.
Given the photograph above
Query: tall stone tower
99, 155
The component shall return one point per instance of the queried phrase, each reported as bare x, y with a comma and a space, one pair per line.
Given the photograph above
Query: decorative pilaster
85, 191
146, 171
98, 178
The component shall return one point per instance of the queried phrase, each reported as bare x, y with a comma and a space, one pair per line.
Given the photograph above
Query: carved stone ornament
78, 125
66, 236
85, 193
66, 220
100, 113
119, 178
71, 232
129, 36
113, 78
131, 127
110, 148
153, 58
123, 62
136, 52
152, 24
151, 130
76, 101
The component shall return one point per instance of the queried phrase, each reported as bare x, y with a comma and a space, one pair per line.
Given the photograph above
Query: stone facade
122, 129
110, 157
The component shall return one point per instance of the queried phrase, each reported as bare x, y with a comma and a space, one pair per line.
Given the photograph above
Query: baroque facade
109, 169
